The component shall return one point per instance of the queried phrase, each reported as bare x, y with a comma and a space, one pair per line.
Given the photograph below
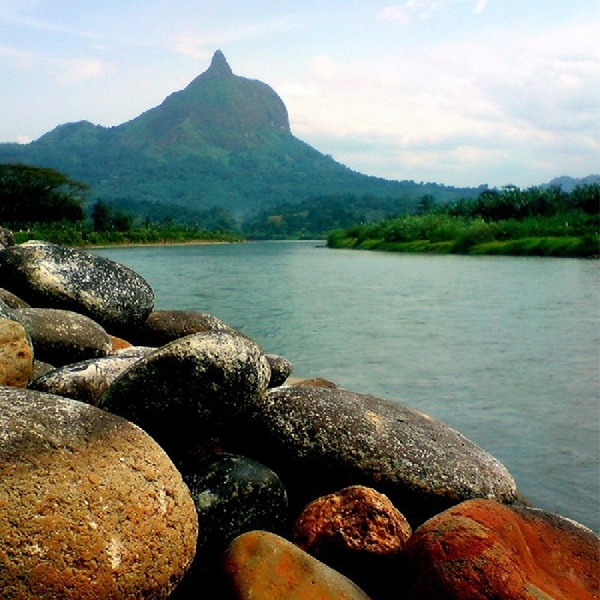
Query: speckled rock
188, 386
61, 337
232, 494
164, 326
320, 440
281, 369
482, 549
85, 381
49, 276
259, 565
41, 368
358, 532
90, 506
16, 354
6, 237
11, 300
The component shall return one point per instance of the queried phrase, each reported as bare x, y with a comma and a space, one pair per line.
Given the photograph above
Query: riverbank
558, 247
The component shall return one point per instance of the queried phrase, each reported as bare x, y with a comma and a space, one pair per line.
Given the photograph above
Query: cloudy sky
460, 92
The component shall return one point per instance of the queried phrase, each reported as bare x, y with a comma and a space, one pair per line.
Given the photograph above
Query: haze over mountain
222, 142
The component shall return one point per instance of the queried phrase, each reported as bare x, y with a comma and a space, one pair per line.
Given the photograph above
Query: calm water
506, 350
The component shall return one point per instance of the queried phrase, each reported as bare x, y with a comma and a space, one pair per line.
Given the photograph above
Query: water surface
504, 349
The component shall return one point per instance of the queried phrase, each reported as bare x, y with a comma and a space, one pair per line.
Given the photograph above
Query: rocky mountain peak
219, 67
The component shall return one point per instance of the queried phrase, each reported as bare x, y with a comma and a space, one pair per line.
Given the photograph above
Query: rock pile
152, 454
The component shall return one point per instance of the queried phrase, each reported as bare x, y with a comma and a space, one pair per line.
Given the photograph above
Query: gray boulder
85, 381
281, 369
189, 387
50, 276
61, 337
320, 440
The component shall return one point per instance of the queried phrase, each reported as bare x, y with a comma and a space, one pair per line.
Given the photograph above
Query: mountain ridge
223, 142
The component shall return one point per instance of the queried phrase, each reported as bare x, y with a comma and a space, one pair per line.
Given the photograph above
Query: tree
31, 194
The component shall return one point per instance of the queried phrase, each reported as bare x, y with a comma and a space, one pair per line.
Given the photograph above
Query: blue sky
460, 92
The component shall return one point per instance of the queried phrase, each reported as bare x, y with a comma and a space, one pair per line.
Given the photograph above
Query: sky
458, 92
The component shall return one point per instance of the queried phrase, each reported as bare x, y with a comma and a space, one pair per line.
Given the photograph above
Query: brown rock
481, 549
358, 532
90, 506
16, 354
117, 343
62, 337
164, 326
263, 566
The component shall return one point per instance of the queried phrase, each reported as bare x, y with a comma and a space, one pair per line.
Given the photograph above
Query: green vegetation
38, 195
223, 143
538, 222
41, 203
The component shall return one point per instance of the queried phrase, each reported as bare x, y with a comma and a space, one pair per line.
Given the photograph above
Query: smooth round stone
90, 506
165, 326
51, 276
259, 565
232, 494
190, 386
483, 549
62, 337
281, 369
320, 440
85, 381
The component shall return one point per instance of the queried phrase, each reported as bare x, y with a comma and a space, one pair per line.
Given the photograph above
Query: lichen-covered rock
61, 337
85, 381
191, 385
50, 276
16, 354
281, 369
232, 494
358, 532
90, 506
164, 326
259, 565
320, 440
482, 549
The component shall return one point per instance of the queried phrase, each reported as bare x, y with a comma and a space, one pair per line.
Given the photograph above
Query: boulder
358, 532
50, 276
62, 337
320, 440
90, 506
281, 369
190, 387
11, 300
164, 326
16, 354
85, 381
233, 495
259, 565
483, 549
6, 237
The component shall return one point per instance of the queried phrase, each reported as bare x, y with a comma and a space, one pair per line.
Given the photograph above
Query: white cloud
514, 103
81, 69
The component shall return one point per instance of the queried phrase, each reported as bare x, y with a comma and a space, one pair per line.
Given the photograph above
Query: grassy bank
528, 223
71, 236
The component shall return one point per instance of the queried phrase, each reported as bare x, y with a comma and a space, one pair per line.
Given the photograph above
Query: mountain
224, 142
568, 184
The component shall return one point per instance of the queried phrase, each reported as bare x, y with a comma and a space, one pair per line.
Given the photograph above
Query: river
504, 349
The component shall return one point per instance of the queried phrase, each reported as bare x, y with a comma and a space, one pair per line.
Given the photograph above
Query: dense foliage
38, 195
514, 221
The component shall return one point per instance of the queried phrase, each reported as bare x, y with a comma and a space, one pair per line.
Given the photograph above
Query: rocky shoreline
163, 454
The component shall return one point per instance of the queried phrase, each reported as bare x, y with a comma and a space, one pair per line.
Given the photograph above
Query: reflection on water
506, 350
